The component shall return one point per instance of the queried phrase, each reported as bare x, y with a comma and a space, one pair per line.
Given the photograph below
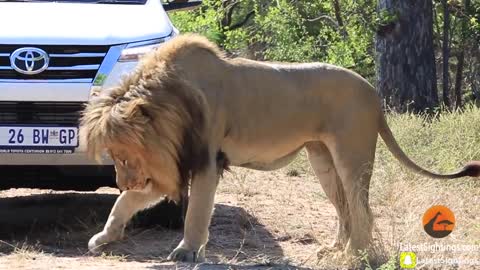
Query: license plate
38, 139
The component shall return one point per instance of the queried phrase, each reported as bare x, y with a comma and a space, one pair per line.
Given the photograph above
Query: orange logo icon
438, 221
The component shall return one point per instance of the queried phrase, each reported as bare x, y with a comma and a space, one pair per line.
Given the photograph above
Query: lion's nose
123, 188
122, 185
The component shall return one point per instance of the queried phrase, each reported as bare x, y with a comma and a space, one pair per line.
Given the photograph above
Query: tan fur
188, 103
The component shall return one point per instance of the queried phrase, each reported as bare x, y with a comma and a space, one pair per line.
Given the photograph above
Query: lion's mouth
140, 185
147, 182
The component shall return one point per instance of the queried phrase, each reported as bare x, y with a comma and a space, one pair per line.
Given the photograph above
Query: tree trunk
446, 53
461, 58
458, 79
406, 74
338, 16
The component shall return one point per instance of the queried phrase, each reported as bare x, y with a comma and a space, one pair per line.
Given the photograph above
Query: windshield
125, 2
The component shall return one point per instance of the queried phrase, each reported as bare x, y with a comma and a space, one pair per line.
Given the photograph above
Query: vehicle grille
66, 62
44, 113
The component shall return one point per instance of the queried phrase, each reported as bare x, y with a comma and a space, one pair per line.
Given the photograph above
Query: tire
81, 178
89, 178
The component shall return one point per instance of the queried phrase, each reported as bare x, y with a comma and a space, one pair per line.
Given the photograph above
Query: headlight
134, 51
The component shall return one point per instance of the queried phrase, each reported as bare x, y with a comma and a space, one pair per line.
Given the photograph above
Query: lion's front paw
101, 239
187, 255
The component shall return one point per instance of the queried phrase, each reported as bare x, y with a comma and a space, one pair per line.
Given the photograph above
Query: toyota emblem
29, 60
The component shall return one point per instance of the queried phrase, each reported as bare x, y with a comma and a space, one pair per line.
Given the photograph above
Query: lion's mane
154, 109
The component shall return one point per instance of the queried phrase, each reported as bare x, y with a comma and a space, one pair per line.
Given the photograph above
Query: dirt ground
262, 220
277, 221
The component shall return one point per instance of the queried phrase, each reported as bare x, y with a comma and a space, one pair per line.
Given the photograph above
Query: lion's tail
471, 169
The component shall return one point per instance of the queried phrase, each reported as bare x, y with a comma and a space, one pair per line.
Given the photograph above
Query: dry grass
270, 220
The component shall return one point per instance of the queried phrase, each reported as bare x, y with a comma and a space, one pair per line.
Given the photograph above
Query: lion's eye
122, 162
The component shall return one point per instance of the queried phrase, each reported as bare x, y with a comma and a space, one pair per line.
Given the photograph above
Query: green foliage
283, 34
391, 264
298, 31
385, 18
202, 20
308, 31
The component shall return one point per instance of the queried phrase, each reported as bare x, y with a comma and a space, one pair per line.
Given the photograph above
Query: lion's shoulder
185, 44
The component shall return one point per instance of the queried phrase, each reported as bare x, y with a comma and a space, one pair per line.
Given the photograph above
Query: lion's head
152, 125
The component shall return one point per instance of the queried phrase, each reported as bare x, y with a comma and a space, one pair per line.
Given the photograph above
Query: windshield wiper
25, 1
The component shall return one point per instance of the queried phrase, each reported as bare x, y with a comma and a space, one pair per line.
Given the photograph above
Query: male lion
189, 109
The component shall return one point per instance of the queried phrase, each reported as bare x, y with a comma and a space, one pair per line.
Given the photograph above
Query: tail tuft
472, 169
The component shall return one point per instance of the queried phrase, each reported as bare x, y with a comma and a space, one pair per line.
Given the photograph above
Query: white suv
54, 54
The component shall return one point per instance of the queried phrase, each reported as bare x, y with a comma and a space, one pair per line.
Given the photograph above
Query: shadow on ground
61, 224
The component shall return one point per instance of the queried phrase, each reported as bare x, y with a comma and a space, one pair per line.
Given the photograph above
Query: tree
342, 33
338, 16
461, 56
446, 53
406, 73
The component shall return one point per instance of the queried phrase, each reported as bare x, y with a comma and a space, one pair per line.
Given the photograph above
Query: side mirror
175, 5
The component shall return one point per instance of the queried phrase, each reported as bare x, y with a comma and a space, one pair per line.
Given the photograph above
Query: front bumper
77, 158
109, 74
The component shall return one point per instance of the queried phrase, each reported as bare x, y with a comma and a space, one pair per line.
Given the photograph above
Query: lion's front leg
199, 213
127, 204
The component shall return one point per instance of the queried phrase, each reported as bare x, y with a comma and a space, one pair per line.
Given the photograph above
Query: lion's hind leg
322, 164
353, 159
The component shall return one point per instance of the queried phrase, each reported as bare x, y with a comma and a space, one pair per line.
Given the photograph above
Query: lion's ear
136, 107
